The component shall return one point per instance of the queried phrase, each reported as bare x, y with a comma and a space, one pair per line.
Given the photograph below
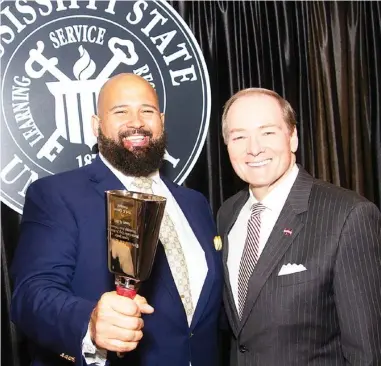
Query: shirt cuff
92, 354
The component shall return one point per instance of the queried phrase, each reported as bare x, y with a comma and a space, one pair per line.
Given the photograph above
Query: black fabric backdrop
324, 57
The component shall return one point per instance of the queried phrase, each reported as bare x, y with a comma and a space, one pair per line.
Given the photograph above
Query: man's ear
95, 124
162, 117
294, 141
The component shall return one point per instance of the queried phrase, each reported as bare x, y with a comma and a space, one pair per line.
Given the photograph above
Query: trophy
133, 224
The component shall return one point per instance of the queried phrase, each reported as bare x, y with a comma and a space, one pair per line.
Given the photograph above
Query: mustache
134, 131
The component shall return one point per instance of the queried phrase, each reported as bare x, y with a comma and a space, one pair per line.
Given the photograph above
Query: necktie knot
143, 183
257, 208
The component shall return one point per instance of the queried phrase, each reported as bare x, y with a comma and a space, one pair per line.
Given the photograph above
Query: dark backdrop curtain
324, 57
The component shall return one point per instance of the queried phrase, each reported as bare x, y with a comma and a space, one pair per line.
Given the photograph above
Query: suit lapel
231, 310
276, 246
278, 242
103, 178
197, 226
164, 272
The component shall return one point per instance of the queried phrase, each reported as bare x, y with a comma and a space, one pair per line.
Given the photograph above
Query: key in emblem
119, 57
36, 56
171, 159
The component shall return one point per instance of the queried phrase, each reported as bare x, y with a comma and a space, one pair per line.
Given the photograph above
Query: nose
254, 146
134, 120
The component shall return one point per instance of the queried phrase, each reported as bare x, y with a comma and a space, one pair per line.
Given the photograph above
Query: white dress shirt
193, 252
273, 202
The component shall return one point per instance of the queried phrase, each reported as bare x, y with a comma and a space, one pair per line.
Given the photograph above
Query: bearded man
63, 297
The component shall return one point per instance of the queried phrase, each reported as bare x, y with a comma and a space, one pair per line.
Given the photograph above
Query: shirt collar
127, 179
276, 199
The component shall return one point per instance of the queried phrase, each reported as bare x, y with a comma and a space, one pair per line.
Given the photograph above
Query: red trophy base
126, 292
125, 286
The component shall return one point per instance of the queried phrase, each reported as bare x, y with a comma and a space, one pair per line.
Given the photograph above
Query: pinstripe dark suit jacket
329, 314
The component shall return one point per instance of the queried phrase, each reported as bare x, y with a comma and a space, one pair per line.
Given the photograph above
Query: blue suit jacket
60, 271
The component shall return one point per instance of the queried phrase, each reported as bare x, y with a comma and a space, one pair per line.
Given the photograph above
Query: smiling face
129, 125
260, 144
128, 112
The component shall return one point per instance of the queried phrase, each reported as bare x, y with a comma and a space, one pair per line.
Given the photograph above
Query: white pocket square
291, 268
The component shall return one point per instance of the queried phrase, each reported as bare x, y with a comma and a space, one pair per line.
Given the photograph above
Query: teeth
259, 163
135, 138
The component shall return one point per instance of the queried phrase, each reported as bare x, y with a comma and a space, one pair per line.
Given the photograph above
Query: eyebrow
260, 127
268, 125
236, 130
127, 105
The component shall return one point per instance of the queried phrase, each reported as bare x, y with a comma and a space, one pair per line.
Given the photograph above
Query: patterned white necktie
250, 255
173, 250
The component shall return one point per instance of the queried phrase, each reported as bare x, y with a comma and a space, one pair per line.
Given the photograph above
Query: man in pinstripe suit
302, 257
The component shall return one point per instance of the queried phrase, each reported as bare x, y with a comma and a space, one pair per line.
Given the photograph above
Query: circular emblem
56, 55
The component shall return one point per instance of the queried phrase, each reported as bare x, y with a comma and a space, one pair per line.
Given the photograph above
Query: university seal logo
56, 55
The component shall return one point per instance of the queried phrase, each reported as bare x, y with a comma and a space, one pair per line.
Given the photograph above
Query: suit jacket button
243, 348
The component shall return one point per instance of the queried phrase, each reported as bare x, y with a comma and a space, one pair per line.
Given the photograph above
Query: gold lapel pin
217, 242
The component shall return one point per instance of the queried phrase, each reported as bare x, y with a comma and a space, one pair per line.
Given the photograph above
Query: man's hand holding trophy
133, 225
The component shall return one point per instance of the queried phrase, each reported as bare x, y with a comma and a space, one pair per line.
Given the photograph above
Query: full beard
141, 161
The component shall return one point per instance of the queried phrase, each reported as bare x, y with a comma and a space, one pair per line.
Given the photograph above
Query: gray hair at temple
289, 114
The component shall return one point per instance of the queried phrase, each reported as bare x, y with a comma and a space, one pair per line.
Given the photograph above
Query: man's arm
357, 285
43, 304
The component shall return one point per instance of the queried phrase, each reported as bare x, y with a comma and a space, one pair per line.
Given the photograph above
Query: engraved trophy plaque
133, 224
